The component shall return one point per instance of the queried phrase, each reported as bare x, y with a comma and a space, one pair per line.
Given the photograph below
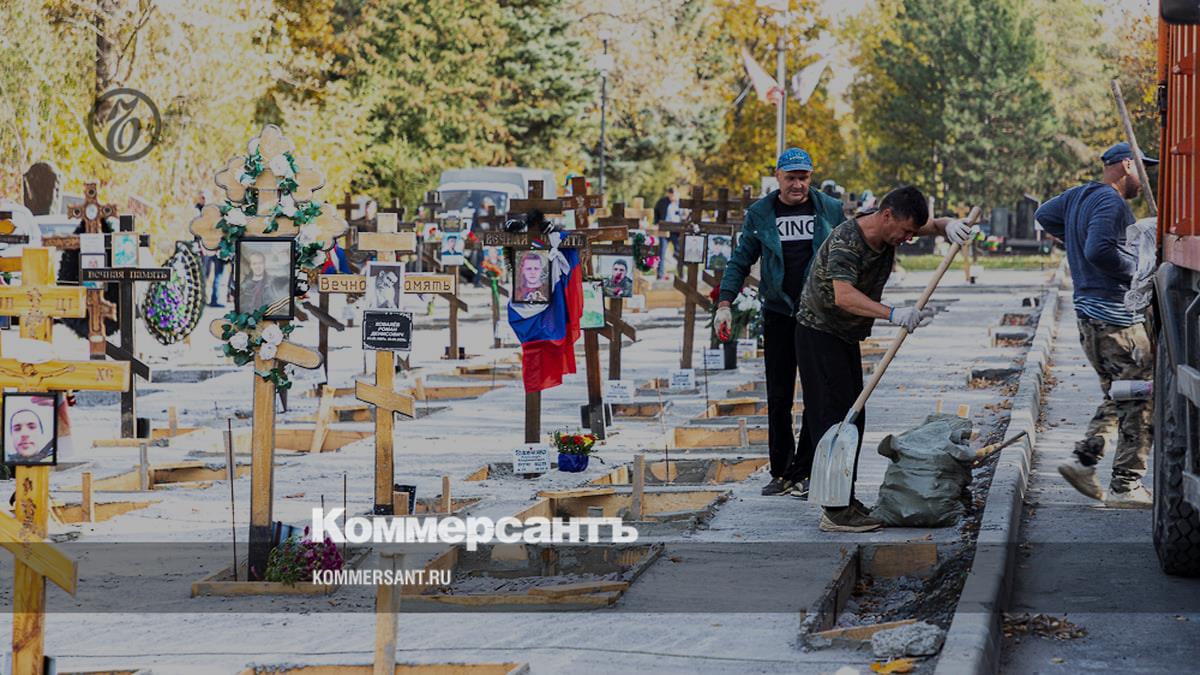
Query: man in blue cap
1091, 220
783, 229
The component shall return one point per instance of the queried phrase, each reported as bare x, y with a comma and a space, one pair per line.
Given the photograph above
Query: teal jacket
760, 239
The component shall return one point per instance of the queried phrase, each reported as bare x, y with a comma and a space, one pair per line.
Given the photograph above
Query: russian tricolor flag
548, 332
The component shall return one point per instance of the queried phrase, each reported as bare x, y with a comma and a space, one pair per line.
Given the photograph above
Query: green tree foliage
542, 84
957, 110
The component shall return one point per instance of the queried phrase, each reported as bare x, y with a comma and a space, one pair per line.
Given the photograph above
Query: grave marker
695, 225
583, 239
385, 242
41, 189
35, 559
126, 312
93, 214
326, 227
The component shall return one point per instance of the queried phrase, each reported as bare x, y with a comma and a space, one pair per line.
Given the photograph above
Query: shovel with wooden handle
833, 463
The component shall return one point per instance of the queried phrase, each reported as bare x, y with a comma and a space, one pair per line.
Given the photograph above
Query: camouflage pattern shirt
845, 256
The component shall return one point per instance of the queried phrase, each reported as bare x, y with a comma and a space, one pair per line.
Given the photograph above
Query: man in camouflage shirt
838, 306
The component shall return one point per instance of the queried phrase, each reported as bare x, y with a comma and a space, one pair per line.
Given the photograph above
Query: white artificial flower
287, 206
307, 235
235, 216
272, 335
318, 258
246, 179
239, 341
280, 166
266, 351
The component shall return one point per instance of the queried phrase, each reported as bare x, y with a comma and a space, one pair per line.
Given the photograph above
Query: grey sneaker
800, 490
777, 486
1082, 478
849, 519
1136, 496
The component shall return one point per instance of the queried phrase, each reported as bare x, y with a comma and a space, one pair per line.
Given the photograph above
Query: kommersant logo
471, 531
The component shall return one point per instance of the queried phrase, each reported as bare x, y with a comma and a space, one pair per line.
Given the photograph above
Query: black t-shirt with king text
796, 225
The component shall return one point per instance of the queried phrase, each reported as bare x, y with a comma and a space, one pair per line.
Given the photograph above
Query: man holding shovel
1091, 220
838, 306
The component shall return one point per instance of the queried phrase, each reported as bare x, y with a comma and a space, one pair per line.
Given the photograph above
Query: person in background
1091, 220
666, 210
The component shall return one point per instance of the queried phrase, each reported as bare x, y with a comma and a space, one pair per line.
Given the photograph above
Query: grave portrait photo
493, 258
593, 305
453, 247
720, 248
265, 276
385, 285
693, 248
124, 249
531, 278
617, 272
30, 431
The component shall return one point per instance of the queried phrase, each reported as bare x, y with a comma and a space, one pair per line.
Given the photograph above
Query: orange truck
1177, 294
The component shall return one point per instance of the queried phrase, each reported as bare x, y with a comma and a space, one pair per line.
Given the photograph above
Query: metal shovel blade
833, 466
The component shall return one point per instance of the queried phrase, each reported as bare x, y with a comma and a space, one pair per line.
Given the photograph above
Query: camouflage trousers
1118, 353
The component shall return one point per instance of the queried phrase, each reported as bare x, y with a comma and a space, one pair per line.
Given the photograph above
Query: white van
466, 189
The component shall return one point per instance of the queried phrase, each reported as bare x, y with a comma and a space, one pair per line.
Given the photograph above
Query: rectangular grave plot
715, 471
565, 575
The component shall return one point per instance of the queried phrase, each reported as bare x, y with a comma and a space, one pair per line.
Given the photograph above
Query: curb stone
973, 643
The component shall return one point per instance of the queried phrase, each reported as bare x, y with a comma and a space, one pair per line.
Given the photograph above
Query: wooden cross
491, 219
582, 239
328, 226
695, 225
126, 311
616, 328
93, 214
37, 560
262, 442
580, 202
386, 242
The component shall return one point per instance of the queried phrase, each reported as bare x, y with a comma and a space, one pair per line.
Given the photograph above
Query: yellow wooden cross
386, 242
36, 560
37, 299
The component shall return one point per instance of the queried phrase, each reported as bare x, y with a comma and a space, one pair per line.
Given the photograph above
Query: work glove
723, 323
959, 232
911, 318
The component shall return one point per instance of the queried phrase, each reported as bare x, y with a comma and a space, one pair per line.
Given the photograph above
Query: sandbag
930, 469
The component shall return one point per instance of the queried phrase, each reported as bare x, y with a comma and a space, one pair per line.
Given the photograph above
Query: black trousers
831, 377
779, 361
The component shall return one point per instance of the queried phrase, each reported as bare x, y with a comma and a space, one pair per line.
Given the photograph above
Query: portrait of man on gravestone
385, 284
693, 249
720, 247
531, 283
452, 248
265, 275
30, 434
618, 280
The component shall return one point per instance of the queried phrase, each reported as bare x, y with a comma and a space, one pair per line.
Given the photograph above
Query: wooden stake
172, 422
86, 497
400, 503
324, 414
143, 467
964, 410
639, 487
262, 470
595, 404
29, 587
231, 470
533, 416
447, 503
743, 433
616, 308
387, 604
